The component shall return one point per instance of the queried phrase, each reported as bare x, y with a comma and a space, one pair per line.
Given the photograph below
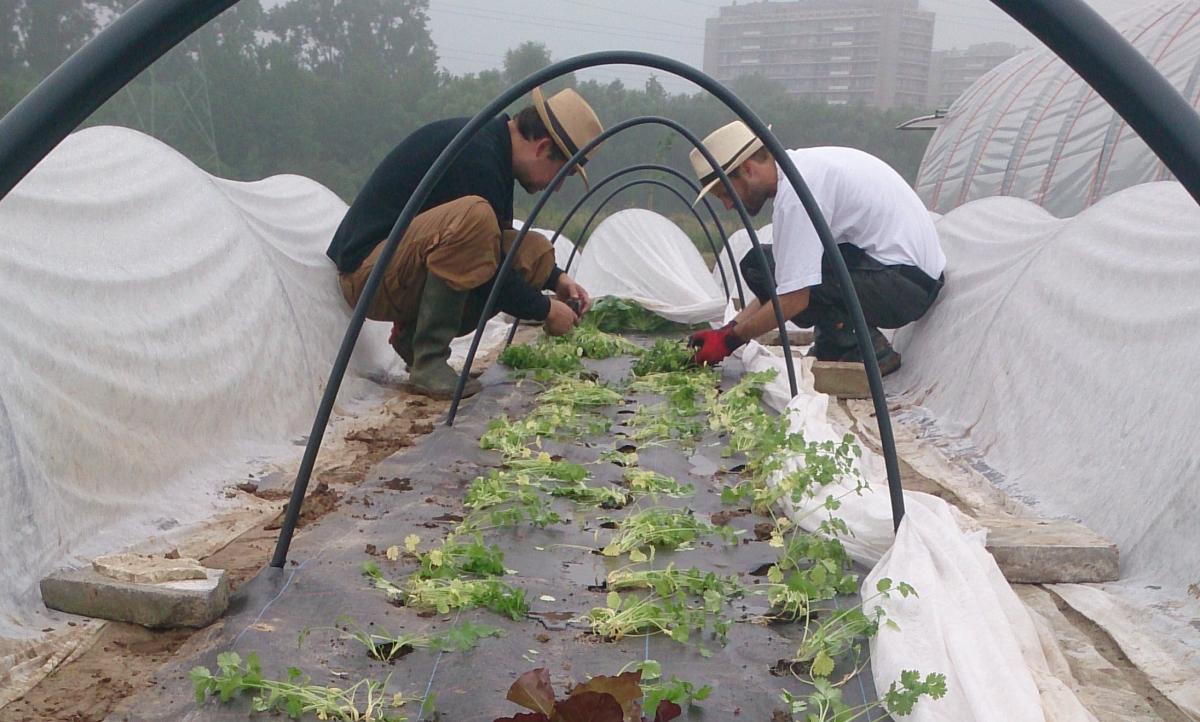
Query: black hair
531, 127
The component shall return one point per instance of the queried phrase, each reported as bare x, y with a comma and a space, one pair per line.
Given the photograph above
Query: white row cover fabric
642, 256
1066, 348
967, 622
1032, 128
164, 330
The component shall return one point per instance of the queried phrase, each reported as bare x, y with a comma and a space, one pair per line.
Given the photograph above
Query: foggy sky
472, 35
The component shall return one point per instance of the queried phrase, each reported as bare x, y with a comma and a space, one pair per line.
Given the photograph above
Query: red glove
713, 346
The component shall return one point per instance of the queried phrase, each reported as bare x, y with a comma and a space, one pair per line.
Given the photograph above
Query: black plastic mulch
419, 491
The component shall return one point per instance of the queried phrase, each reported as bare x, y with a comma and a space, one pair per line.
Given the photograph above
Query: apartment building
875, 52
953, 71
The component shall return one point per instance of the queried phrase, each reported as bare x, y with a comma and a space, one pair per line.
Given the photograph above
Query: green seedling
544, 354
442, 595
605, 497
664, 356
592, 342
574, 392
363, 701
639, 534
825, 703
671, 581
651, 482
616, 315
384, 646
676, 616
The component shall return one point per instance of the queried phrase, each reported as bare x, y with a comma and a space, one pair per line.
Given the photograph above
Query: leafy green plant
456, 558
544, 354
592, 342
575, 392
605, 497
295, 696
442, 595
383, 645
615, 315
671, 581
825, 703
639, 534
664, 356
676, 616
644, 481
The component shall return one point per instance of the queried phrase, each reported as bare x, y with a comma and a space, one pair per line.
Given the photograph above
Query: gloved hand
713, 346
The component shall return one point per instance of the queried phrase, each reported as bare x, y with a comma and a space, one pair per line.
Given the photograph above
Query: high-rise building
953, 71
874, 52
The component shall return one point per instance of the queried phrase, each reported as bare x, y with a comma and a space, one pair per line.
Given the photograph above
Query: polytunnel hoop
661, 184
690, 183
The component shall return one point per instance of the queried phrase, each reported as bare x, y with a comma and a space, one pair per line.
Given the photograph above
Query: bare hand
561, 318
568, 289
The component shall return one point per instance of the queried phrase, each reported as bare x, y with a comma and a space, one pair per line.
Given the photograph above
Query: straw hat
571, 121
731, 145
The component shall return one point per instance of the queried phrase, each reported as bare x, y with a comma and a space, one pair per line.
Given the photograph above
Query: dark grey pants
891, 296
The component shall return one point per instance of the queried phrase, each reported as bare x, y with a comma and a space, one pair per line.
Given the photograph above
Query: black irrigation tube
569, 167
691, 183
512, 331
1101, 56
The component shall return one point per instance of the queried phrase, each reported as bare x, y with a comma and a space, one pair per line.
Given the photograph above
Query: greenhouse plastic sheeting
642, 256
1033, 129
162, 328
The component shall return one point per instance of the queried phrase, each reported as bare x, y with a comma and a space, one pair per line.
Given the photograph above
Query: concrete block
143, 569
1040, 551
843, 379
184, 603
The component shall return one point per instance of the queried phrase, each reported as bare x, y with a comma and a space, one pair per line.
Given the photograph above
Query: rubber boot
402, 343
438, 318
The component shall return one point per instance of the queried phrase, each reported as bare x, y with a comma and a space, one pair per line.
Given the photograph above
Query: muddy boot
438, 317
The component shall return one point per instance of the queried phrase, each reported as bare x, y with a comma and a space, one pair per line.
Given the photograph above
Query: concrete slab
185, 603
1041, 551
843, 379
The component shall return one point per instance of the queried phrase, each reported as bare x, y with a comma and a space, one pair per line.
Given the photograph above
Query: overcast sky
472, 35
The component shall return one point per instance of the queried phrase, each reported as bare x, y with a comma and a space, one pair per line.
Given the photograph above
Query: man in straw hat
438, 280
882, 229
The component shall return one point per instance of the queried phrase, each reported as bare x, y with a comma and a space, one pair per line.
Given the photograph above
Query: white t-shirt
866, 204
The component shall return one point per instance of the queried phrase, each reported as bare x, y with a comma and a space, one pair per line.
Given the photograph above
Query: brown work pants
459, 242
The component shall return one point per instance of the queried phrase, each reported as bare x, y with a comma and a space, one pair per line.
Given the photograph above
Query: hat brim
539, 104
733, 165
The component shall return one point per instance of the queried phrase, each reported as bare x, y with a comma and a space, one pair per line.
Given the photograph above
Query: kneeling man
882, 229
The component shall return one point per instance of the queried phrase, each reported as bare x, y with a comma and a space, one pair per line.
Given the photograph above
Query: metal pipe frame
568, 168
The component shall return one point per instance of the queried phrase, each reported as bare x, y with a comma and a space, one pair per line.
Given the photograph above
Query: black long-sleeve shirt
483, 168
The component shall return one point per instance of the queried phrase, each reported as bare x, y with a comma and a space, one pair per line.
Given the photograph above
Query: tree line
325, 88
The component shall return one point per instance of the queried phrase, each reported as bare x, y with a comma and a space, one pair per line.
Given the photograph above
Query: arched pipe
138, 37
661, 184
687, 180
568, 168
512, 331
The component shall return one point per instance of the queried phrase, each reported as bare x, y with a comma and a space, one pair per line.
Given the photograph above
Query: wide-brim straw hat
571, 121
731, 145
